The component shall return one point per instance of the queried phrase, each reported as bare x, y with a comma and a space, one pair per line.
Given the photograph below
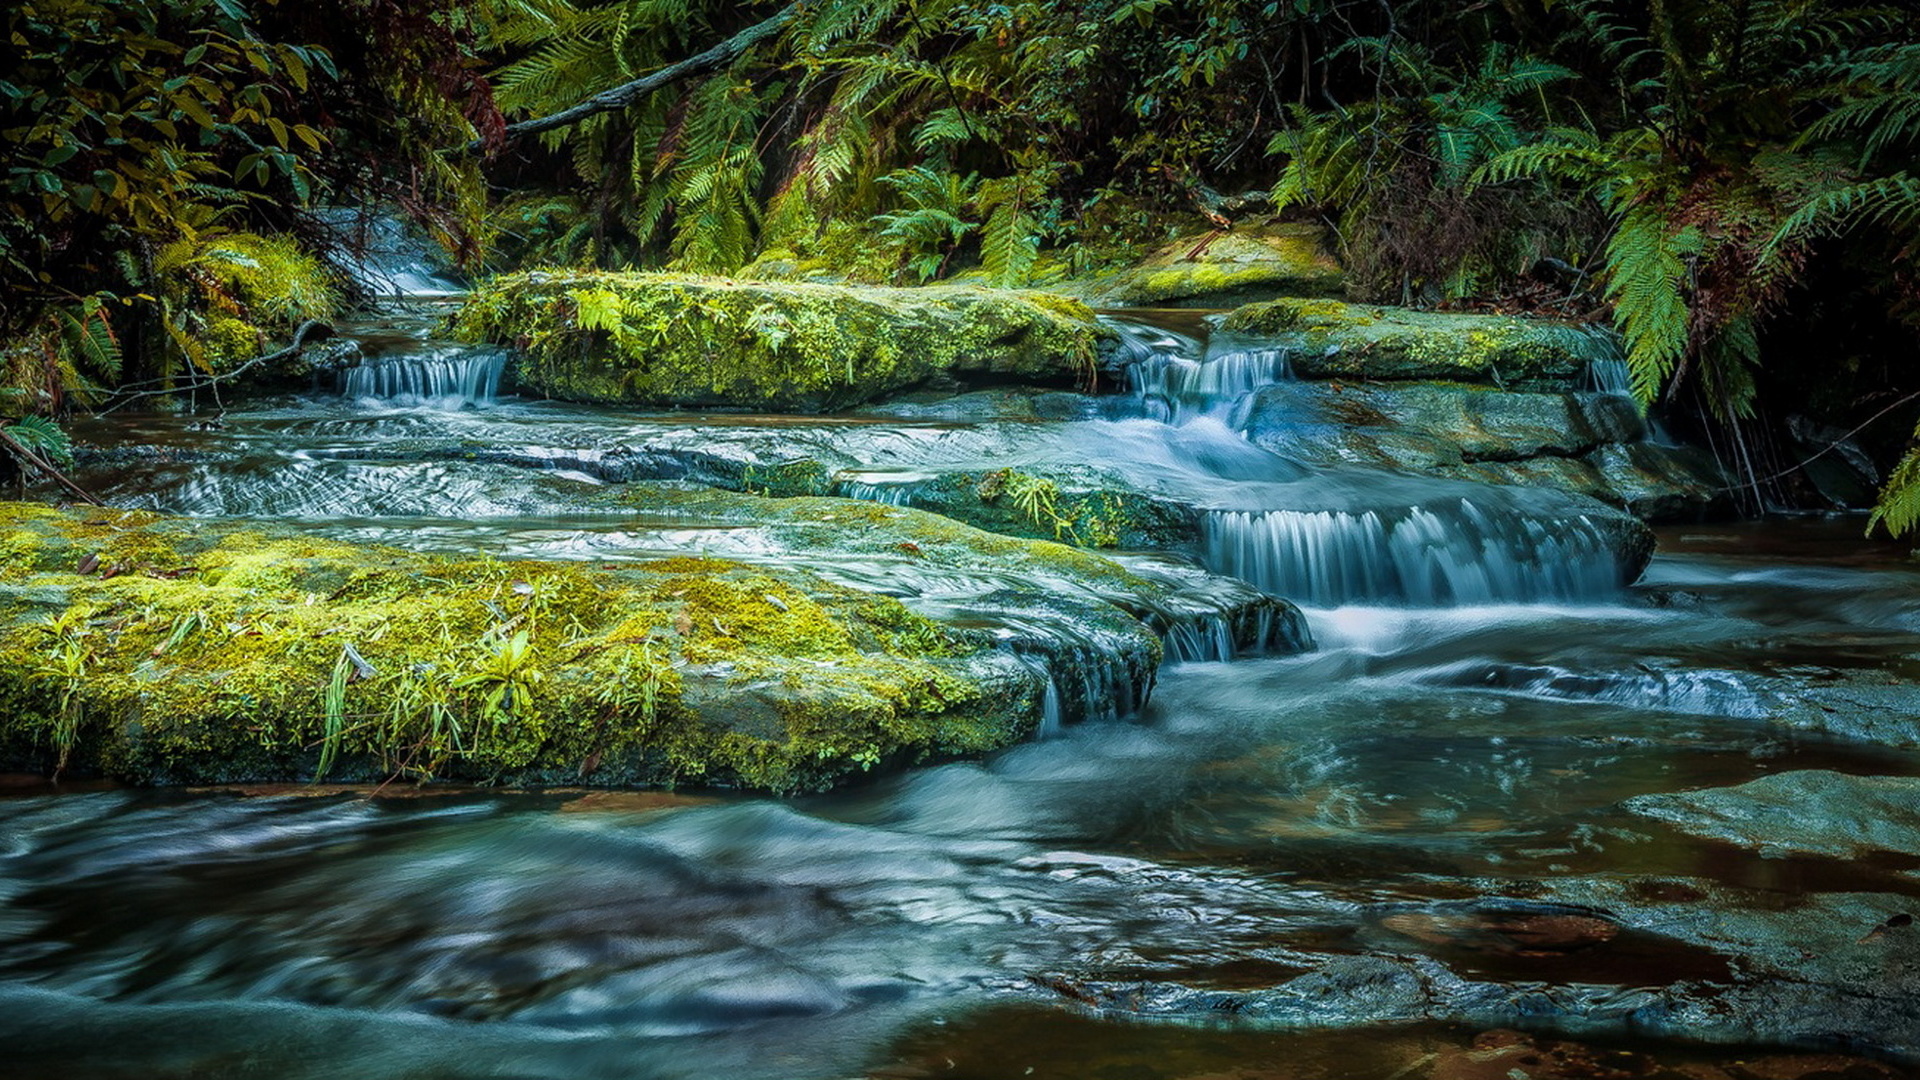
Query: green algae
656, 339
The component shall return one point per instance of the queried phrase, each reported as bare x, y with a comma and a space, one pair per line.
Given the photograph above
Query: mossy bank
665, 340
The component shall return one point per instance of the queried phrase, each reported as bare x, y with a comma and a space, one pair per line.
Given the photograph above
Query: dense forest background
1732, 183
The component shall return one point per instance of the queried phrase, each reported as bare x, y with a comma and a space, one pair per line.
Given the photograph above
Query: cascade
1181, 387
1176, 377
893, 494
447, 378
1455, 554
1611, 376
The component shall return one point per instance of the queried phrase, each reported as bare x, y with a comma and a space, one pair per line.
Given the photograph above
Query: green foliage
135, 135
929, 227
1646, 281
64, 662
1899, 506
43, 438
1400, 171
823, 124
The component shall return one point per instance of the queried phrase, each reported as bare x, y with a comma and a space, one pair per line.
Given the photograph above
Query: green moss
1216, 267
1070, 509
655, 339
1356, 341
204, 652
233, 294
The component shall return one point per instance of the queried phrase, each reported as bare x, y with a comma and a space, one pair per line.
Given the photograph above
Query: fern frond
1898, 509
1893, 201
1645, 278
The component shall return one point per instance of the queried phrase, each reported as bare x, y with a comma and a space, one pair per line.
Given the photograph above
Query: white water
1445, 555
445, 379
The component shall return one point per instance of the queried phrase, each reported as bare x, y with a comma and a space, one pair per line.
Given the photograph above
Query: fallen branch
626, 94
28, 457
195, 382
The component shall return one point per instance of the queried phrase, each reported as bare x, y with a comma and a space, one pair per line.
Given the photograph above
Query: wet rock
1584, 443
656, 339
1504, 1054
1838, 467
1218, 269
1336, 340
1808, 810
1826, 970
216, 652
1515, 933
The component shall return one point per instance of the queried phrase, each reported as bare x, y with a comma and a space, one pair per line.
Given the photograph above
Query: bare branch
626, 94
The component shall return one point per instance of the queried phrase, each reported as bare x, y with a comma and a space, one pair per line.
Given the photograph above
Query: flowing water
1347, 862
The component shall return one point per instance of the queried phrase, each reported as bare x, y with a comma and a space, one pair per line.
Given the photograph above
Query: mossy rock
175, 650
665, 340
182, 650
1073, 506
1353, 341
1225, 268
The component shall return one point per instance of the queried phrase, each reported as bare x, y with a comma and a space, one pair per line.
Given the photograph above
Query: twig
1829, 448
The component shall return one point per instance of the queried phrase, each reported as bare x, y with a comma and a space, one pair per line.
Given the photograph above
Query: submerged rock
1336, 340
171, 650
1810, 810
658, 339
1221, 268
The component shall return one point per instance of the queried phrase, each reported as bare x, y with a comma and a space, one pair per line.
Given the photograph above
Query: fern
1892, 201
930, 226
1646, 276
1899, 507
43, 437
1009, 244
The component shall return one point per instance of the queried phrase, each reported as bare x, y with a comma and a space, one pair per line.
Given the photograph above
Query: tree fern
1891, 201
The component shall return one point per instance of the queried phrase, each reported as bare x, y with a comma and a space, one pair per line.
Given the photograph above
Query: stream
1443, 820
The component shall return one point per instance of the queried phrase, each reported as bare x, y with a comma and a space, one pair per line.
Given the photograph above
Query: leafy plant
929, 228
67, 660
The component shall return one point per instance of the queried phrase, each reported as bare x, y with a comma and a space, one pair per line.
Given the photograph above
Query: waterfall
1214, 385
891, 494
446, 379
1609, 377
1052, 714
1453, 554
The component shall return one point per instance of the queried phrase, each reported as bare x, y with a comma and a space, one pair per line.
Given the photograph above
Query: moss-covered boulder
664, 340
1353, 341
174, 650
1224, 268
